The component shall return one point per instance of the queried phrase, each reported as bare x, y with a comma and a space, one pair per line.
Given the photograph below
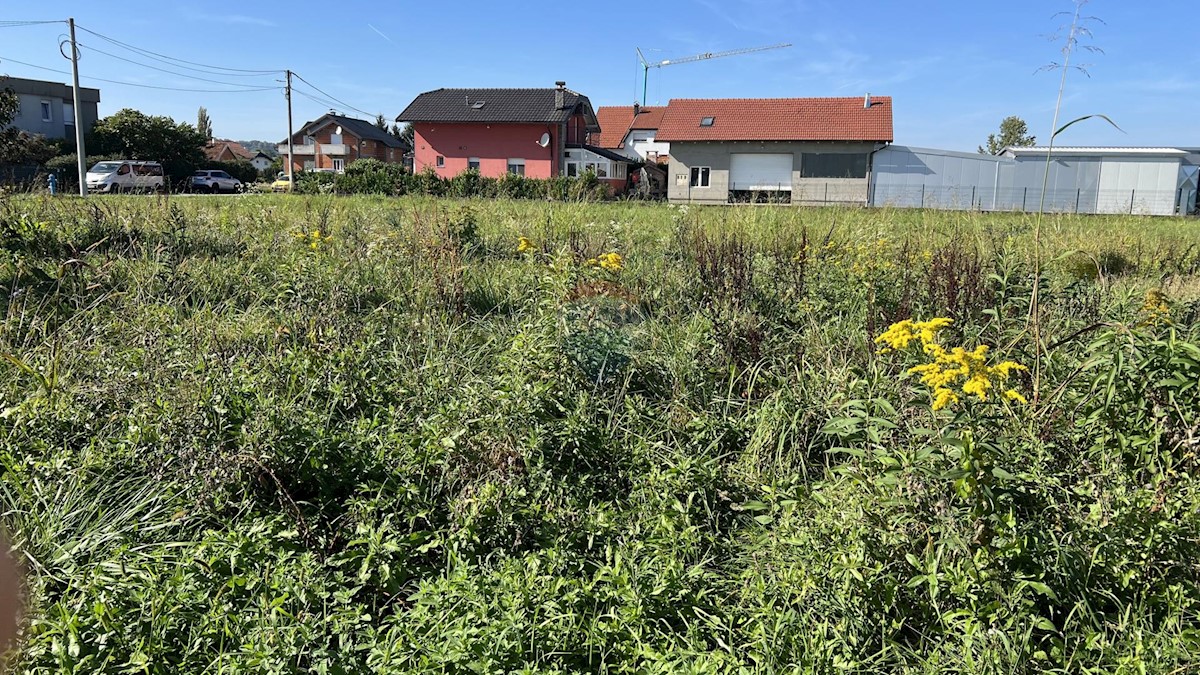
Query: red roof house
631, 130
799, 150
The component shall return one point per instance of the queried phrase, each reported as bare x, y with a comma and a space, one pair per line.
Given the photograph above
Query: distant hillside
267, 147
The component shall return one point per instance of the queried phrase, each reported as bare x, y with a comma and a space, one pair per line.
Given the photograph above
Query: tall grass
318, 434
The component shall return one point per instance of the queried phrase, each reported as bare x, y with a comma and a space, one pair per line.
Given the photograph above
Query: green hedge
371, 176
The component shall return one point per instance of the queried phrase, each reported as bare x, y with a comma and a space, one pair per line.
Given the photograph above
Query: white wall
639, 143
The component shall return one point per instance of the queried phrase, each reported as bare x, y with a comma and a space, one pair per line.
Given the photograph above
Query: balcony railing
330, 149
296, 149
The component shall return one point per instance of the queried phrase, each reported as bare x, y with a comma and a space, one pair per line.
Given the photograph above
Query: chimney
560, 95
637, 109
867, 100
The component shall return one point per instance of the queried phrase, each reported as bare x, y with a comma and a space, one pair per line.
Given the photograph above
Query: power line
171, 60
162, 70
334, 98
316, 99
18, 24
144, 86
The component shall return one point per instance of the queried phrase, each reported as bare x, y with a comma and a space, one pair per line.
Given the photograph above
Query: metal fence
1076, 200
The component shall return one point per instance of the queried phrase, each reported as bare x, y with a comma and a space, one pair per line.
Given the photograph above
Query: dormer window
707, 121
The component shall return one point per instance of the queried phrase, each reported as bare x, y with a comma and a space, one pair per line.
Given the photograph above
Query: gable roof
778, 119
498, 106
360, 129
616, 121
219, 148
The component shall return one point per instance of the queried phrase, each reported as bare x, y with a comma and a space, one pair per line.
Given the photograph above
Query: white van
125, 176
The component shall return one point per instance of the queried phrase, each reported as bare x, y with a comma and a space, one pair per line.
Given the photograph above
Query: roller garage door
749, 171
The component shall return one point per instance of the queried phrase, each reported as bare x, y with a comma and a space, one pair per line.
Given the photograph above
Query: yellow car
281, 183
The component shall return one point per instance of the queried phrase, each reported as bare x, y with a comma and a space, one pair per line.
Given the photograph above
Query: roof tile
494, 105
778, 119
617, 121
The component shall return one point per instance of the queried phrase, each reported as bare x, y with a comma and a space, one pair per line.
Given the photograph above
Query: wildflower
524, 245
1156, 308
951, 370
613, 262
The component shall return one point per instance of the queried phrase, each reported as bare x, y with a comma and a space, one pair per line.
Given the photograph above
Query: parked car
125, 176
281, 184
214, 180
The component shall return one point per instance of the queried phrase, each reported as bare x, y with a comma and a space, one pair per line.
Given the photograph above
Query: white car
125, 176
213, 180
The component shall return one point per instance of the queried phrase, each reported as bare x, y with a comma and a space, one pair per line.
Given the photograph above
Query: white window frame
603, 170
473, 163
339, 164
572, 169
47, 110
516, 163
440, 162
309, 165
700, 177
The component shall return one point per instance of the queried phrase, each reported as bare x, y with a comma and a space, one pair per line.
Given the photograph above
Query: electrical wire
162, 70
144, 86
171, 60
315, 99
18, 24
334, 98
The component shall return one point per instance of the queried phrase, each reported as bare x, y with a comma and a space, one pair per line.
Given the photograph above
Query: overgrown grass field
285, 434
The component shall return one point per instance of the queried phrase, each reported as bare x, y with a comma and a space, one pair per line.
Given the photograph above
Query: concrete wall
685, 155
31, 93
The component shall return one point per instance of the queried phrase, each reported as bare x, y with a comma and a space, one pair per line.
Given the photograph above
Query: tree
135, 135
9, 104
204, 123
404, 133
1013, 134
381, 122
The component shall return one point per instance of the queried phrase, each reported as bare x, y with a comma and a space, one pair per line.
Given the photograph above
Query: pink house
531, 132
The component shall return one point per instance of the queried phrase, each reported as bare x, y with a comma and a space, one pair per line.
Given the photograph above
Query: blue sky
955, 69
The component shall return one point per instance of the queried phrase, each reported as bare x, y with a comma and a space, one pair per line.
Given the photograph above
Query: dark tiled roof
778, 119
366, 131
360, 129
607, 154
616, 121
498, 105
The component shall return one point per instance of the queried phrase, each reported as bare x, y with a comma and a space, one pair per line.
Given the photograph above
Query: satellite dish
544, 140
338, 131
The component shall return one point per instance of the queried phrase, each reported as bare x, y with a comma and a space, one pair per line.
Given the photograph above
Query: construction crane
646, 66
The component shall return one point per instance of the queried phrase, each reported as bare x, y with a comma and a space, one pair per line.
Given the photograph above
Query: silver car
214, 180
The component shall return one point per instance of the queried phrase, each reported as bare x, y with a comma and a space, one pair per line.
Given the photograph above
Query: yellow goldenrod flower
1156, 307
1014, 395
611, 262
524, 245
950, 371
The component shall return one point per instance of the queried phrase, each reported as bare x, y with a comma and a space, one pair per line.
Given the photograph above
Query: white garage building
1148, 181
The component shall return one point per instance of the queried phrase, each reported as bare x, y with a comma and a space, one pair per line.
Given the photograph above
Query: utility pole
291, 178
80, 153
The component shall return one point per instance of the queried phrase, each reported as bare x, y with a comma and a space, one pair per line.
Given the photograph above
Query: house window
516, 166
572, 169
833, 165
309, 140
309, 165
473, 164
601, 169
707, 121
700, 176
339, 165
68, 113
47, 112
441, 162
